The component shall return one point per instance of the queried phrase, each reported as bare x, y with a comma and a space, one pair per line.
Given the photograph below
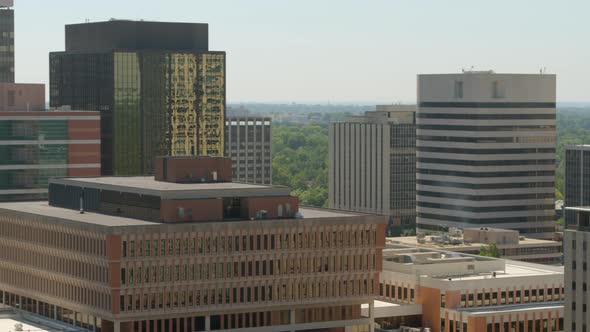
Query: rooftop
44, 209
147, 185
453, 266
413, 241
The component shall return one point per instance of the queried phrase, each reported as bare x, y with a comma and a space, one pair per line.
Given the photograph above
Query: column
208, 323
116, 326
292, 320
372, 316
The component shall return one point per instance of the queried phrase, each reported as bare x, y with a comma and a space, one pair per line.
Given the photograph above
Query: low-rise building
188, 251
509, 243
466, 293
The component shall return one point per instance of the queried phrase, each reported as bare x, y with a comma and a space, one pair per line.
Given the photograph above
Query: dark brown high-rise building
6, 42
159, 89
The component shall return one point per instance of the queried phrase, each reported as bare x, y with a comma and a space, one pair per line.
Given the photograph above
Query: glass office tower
6, 42
153, 101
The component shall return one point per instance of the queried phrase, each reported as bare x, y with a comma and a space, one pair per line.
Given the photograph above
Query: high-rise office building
248, 144
373, 165
37, 146
486, 152
575, 252
159, 89
6, 41
577, 178
188, 251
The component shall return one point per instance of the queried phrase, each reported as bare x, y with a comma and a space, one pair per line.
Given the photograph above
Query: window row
211, 244
266, 292
11, 252
62, 238
56, 289
509, 297
402, 293
246, 268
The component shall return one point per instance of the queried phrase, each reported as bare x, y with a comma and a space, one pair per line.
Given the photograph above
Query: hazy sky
342, 50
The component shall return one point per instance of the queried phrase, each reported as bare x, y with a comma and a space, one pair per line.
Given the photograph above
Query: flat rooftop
105, 220
413, 241
147, 185
515, 269
442, 265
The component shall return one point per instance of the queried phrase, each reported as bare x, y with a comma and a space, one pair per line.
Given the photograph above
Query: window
497, 90
458, 89
181, 213
10, 98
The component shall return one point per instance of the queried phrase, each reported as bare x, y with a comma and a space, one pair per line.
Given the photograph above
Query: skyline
344, 57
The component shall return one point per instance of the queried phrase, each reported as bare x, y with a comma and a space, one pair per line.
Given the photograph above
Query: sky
342, 51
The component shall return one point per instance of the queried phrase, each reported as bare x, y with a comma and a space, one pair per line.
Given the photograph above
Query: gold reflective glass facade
211, 106
152, 103
196, 104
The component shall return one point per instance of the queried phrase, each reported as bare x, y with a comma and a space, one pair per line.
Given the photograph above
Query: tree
489, 251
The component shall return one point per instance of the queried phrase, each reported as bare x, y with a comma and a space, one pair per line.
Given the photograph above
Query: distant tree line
300, 152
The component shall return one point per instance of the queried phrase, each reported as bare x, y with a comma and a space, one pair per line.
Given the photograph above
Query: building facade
486, 152
373, 165
148, 255
22, 97
36, 146
466, 293
577, 178
159, 89
248, 144
6, 41
575, 244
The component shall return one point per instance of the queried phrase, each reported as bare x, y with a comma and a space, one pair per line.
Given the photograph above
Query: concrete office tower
373, 165
577, 178
36, 146
486, 152
575, 248
248, 144
159, 89
188, 251
6, 41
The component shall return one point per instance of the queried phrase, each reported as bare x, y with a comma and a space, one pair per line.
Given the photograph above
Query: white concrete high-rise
372, 165
486, 152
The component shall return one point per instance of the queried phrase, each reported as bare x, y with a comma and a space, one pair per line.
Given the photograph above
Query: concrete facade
372, 165
486, 152
248, 143
22, 97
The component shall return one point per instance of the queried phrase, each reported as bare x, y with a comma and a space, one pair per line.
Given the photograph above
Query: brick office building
196, 254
